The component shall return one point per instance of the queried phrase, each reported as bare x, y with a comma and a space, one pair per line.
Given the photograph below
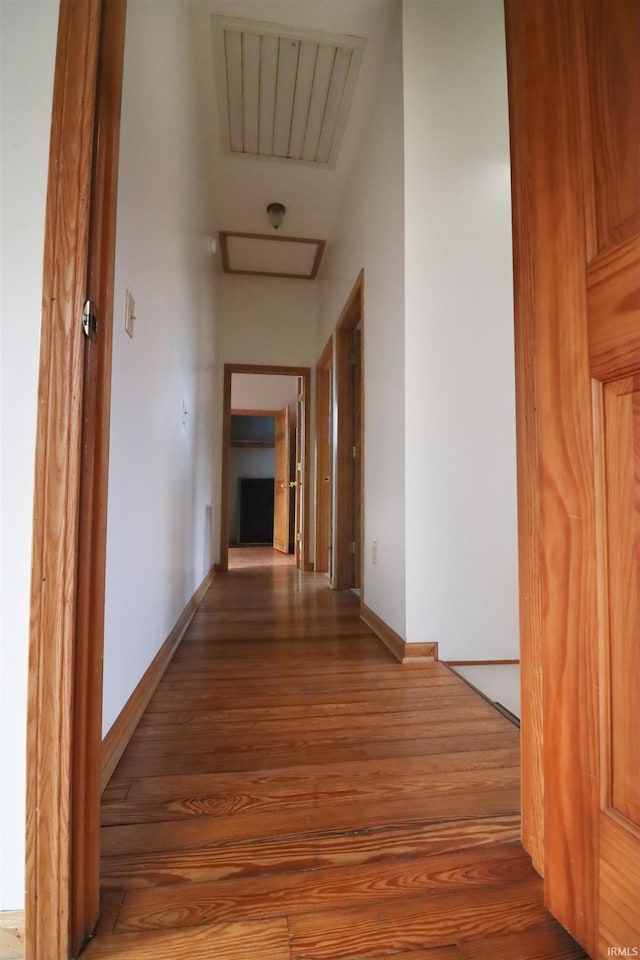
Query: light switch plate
129, 313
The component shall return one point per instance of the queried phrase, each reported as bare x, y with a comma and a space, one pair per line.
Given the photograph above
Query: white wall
267, 320
28, 42
161, 474
257, 391
369, 234
459, 427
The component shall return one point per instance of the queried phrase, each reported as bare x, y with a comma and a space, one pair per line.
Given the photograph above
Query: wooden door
71, 457
281, 481
574, 93
324, 456
356, 372
299, 478
348, 475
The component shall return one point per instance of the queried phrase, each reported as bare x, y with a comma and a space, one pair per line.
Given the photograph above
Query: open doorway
262, 501
252, 479
265, 506
324, 459
348, 442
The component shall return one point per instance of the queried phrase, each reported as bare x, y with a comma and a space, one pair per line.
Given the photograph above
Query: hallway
294, 792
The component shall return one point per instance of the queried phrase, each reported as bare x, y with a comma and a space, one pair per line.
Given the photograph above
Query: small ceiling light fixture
276, 212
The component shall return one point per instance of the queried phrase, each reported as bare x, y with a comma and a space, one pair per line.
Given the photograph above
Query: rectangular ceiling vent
283, 93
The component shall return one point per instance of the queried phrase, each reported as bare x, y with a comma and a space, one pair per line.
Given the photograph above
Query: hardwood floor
293, 792
243, 557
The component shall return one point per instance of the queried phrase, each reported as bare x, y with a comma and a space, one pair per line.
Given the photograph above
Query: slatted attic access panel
283, 93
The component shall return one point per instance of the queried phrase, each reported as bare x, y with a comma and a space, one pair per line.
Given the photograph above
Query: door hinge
299, 467
90, 321
300, 397
298, 538
354, 452
352, 547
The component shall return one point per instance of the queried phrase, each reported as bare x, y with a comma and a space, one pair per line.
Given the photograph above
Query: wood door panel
613, 303
621, 469
619, 906
358, 451
324, 465
574, 107
281, 481
298, 471
612, 34
348, 474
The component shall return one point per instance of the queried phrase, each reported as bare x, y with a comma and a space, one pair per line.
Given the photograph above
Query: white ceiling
241, 185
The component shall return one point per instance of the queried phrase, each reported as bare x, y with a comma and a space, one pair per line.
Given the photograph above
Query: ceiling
283, 93
293, 146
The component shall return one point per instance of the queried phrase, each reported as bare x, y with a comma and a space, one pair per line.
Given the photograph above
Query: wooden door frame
299, 458
69, 518
344, 487
229, 369
324, 464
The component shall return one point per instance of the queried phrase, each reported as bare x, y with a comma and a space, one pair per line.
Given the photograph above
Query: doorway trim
229, 369
348, 491
69, 529
324, 460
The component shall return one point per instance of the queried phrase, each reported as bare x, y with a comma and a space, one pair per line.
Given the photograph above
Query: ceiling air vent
283, 93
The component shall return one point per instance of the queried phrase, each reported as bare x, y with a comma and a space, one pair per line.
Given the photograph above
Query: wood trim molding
274, 368
12, 935
477, 663
325, 361
324, 459
71, 455
267, 237
530, 577
116, 740
50, 888
223, 563
254, 413
344, 574
403, 652
92, 545
270, 369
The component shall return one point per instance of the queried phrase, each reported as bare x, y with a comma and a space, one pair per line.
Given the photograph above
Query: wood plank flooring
292, 792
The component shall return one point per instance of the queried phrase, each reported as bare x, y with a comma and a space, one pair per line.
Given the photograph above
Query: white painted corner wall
28, 32
369, 233
162, 471
461, 551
